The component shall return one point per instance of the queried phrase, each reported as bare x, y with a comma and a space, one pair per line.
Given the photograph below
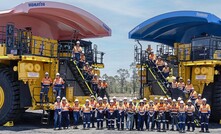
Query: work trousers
111, 120
86, 120
57, 118
161, 119
76, 115
204, 121
174, 118
182, 119
150, 119
120, 120
140, 121
65, 118
44, 92
100, 119
130, 120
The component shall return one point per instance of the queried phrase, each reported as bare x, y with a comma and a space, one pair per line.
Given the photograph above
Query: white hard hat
95, 74
100, 78
188, 79
169, 98
120, 100
150, 101
78, 42
199, 95
165, 64
105, 98
63, 98
159, 57
86, 63
145, 99
87, 100
92, 96
76, 100
46, 73
141, 101
155, 98
181, 102
57, 74
165, 99
204, 99
189, 101
181, 78
135, 98
58, 97
179, 99
114, 97
161, 98
100, 99
174, 100
130, 100
111, 101
104, 79
125, 98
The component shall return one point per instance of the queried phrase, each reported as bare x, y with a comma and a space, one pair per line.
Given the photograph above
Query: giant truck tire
216, 102
9, 96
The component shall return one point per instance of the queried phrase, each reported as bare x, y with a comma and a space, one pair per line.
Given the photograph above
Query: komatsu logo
36, 4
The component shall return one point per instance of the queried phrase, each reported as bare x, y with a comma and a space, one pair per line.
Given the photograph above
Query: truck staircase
78, 76
156, 80
45, 118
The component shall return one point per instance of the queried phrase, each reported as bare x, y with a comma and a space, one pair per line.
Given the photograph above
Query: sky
122, 16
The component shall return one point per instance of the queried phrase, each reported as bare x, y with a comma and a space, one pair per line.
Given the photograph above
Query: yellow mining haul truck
38, 37
195, 39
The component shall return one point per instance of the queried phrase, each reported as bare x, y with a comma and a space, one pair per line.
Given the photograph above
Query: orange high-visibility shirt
65, 106
189, 87
57, 105
111, 108
205, 108
126, 104
58, 81
115, 104
120, 108
166, 70
105, 85
141, 109
199, 102
77, 49
161, 108
174, 109
152, 57
105, 104
86, 109
174, 84
76, 107
95, 80
93, 103
151, 108
182, 109
168, 107
82, 58
131, 108
46, 81
181, 85
100, 84
160, 63
100, 106
193, 95
190, 109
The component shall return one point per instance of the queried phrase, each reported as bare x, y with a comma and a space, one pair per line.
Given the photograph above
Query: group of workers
133, 114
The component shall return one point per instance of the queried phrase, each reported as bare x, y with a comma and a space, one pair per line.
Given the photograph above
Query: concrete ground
30, 123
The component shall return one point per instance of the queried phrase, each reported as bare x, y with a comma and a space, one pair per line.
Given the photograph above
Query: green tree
123, 75
134, 77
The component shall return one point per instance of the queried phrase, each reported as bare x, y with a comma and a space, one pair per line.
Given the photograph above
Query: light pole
141, 70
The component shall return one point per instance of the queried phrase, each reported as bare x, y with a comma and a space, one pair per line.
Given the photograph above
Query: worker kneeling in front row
204, 114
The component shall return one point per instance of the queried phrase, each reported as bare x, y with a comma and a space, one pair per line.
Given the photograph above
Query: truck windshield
201, 49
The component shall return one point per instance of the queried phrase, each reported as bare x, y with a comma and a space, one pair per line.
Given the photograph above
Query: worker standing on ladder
58, 85
95, 84
141, 110
150, 116
86, 109
45, 85
99, 86
76, 113
182, 117
104, 87
57, 113
160, 63
190, 115
204, 115
120, 115
100, 107
65, 113
166, 71
93, 106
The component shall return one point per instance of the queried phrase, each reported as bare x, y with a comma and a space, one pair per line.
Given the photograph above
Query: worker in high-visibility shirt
99, 86
45, 85
152, 56
166, 70
125, 105
181, 84
145, 117
120, 115
93, 106
193, 95
82, 60
204, 115
110, 110
141, 110
173, 88
130, 115
77, 51
95, 84
115, 104
190, 109
76, 113
174, 115
105, 111
86, 110
65, 113
104, 87
161, 115
100, 107
199, 101
188, 86
136, 114
57, 113
156, 103
167, 113
86, 70
182, 117
170, 78
58, 84
160, 63
150, 115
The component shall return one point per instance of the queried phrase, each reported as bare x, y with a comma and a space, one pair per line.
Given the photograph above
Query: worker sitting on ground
141, 110
86, 109
65, 113
182, 117
58, 84
130, 115
76, 51
95, 84
204, 115
193, 95
100, 107
190, 115
150, 115
198, 101
57, 113
76, 113
160, 63
166, 71
45, 85
110, 111
93, 106
174, 115
120, 115
161, 115
82, 61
